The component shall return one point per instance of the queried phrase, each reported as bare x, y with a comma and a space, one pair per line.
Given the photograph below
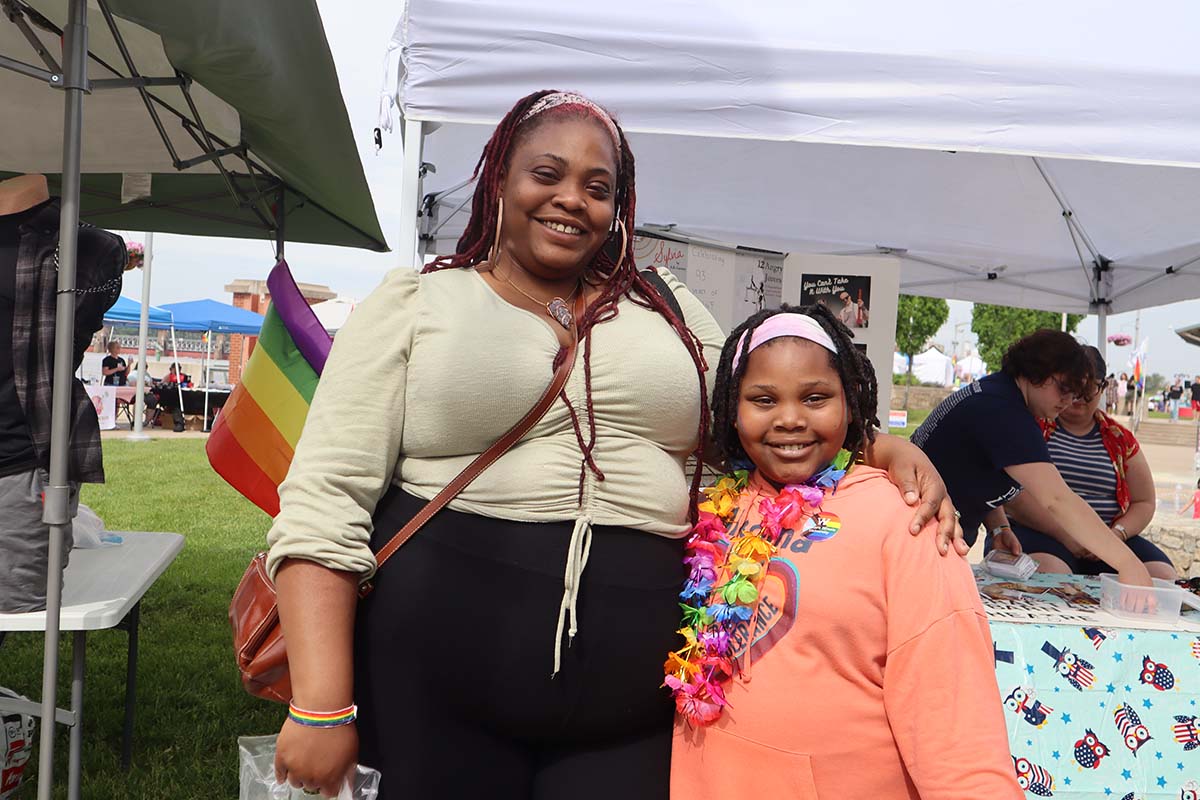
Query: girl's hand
315, 759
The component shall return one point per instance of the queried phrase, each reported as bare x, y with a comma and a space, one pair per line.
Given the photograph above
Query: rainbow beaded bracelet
322, 719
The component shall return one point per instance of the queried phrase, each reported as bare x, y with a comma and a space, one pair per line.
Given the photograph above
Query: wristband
996, 530
322, 719
1123, 533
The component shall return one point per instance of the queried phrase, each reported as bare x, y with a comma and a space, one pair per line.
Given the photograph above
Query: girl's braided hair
852, 366
617, 276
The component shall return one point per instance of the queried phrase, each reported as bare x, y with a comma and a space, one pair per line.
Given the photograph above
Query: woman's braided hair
852, 366
615, 281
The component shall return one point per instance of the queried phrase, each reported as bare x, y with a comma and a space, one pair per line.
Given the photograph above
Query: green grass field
191, 707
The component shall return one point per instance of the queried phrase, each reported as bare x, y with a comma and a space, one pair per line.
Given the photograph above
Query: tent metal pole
57, 495
410, 193
1102, 331
139, 402
178, 368
280, 223
133, 72
207, 374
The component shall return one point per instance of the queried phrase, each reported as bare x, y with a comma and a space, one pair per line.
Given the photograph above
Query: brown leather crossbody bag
253, 614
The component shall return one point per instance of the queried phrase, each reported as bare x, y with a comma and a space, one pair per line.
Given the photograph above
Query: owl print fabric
1099, 711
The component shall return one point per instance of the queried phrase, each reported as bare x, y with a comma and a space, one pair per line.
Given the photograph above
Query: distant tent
932, 366
209, 315
213, 317
129, 312
332, 314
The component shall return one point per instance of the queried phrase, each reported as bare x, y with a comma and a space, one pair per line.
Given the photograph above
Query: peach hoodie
871, 675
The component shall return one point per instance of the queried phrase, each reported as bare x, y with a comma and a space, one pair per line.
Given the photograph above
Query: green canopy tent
221, 118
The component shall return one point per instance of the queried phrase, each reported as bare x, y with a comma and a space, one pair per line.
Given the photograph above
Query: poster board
732, 283
651, 252
863, 291
104, 399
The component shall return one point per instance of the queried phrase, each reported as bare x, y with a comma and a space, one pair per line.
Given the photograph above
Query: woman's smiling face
558, 193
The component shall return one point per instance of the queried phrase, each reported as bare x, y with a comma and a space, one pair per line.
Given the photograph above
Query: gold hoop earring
495, 251
624, 242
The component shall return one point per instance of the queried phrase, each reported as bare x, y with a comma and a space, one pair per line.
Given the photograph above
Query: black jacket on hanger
100, 266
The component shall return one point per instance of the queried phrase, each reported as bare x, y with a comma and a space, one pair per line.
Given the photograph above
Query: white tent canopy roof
975, 131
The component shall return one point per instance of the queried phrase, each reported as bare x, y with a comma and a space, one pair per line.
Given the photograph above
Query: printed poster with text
861, 291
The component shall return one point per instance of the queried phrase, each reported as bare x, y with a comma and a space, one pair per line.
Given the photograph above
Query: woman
1102, 463
465, 681
1122, 389
1174, 398
1110, 394
986, 441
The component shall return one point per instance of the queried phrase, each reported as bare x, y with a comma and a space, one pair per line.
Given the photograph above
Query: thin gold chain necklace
558, 308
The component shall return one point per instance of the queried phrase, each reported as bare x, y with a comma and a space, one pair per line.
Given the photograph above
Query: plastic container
1140, 602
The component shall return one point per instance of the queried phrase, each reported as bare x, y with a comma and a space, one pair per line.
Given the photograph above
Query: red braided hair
616, 281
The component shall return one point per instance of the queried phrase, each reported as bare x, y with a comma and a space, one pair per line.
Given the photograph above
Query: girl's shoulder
868, 497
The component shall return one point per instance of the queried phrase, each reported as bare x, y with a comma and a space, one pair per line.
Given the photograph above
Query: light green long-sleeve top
431, 369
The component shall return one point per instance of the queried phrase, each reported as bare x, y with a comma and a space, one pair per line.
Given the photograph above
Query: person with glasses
988, 445
1102, 463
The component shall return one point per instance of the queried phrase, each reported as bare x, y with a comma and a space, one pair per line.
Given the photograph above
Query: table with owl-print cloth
1097, 706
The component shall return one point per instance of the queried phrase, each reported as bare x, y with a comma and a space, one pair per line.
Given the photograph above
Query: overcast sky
189, 268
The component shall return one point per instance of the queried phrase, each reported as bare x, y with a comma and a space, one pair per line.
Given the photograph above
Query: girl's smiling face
792, 416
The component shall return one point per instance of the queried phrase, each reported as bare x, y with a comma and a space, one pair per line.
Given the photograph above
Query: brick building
253, 295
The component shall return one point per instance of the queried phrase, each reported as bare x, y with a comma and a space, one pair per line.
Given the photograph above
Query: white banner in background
104, 398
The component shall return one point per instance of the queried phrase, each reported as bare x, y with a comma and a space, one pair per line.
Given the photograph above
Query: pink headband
557, 99
799, 325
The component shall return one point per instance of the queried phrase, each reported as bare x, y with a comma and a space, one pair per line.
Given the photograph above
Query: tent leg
207, 376
178, 373
280, 221
1102, 331
410, 193
56, 513
139, 405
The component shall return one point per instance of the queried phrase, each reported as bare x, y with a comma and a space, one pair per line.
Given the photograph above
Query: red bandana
1120, 444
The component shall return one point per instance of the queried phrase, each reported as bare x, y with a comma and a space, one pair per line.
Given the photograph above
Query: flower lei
725, 580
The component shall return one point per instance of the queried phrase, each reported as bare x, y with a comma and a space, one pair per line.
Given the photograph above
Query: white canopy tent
1024, 154
932, 366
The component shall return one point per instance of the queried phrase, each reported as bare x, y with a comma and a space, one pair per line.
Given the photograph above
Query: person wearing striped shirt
1101, 462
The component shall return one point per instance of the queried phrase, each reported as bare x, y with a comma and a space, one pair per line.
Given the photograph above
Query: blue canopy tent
129, 312
212, 317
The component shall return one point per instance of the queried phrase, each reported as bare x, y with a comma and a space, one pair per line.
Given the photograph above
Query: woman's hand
315, 759
1007, 540
921, 486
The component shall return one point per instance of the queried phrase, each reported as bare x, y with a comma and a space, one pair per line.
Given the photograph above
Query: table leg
131, 659
75, 767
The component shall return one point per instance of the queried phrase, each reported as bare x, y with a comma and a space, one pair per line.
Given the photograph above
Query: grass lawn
190, 706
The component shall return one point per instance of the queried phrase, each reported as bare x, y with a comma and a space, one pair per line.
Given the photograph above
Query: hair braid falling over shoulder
852, 365
616, 275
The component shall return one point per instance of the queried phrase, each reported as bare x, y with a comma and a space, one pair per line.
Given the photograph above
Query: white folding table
102, 588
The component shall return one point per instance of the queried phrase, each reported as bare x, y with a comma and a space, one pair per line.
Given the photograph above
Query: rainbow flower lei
725, 580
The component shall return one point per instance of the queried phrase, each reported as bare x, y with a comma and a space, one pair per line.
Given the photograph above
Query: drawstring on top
578, 550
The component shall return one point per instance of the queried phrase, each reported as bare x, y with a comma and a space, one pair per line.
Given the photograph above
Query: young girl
823, 655
1194, 505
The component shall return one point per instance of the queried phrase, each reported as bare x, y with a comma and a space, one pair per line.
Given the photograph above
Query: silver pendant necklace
558, 308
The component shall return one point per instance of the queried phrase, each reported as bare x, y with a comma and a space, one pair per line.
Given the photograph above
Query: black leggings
454, 654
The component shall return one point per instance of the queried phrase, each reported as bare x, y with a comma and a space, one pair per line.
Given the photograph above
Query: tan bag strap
489, 456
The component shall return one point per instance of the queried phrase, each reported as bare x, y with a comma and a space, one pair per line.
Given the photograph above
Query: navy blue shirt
972, 436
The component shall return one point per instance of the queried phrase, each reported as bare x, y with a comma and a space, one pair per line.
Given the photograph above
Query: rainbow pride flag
255, 435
